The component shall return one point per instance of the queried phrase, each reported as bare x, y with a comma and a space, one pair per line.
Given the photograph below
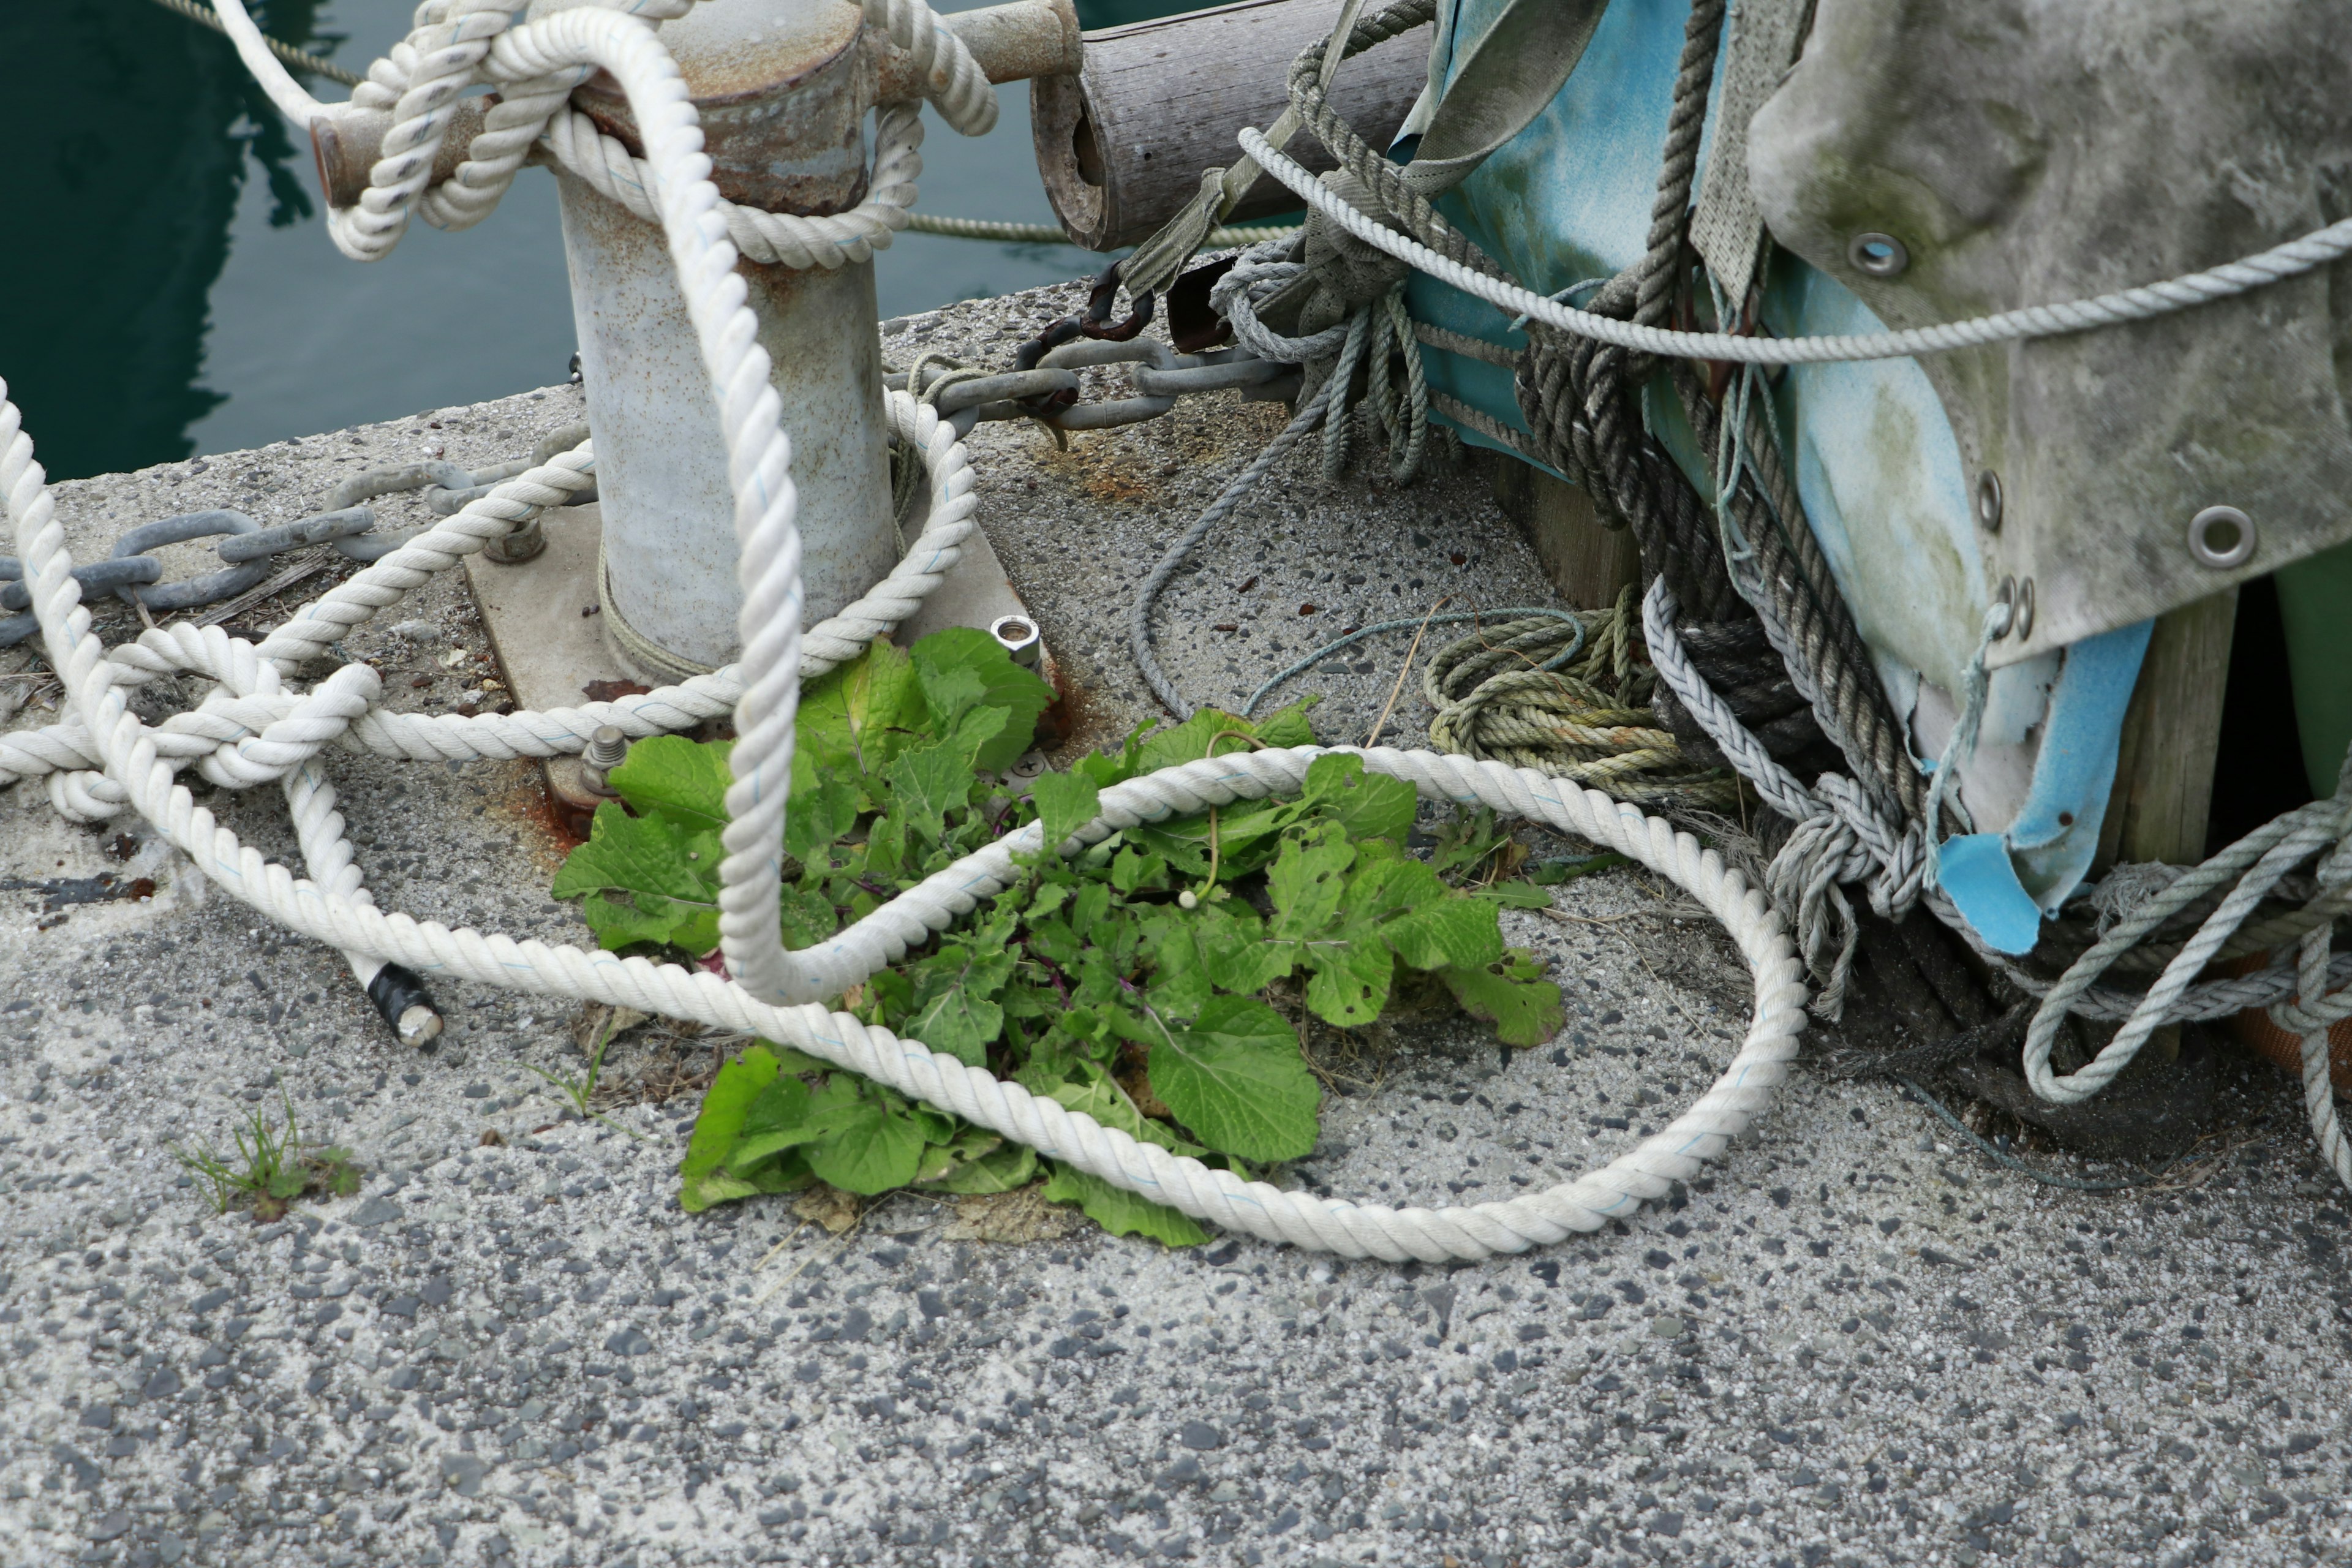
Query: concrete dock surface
1855, 1340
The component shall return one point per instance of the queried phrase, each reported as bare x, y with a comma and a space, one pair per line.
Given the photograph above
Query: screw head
2221, 538
1878, 254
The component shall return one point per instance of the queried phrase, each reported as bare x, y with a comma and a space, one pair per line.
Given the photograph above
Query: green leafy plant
1155, 981
581, 1091
272, 1167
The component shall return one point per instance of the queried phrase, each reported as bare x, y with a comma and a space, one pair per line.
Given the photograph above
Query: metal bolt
1988, 502
513, 549
608, 749
1017, 636
2221, 536
1878, 254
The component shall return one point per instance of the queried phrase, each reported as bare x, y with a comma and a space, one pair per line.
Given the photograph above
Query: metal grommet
2221, 536
2007, 594
1988, 502
2021, 615
1878, 254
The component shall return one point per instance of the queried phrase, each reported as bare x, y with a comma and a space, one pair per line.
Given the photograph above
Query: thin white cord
2289, 260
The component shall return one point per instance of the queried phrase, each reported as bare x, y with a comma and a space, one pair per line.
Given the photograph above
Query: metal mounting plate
549, 637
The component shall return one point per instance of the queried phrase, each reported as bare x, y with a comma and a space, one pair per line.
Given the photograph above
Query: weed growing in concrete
582, 1091
272, 1168
1136, 981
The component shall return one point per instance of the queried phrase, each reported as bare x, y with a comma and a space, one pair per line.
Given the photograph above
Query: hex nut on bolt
1017, 635
608, 749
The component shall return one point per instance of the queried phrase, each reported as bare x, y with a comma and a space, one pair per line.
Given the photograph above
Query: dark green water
166, 283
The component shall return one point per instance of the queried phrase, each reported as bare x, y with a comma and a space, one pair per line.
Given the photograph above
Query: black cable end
399, 995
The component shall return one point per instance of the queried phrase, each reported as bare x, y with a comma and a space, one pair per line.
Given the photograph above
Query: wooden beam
1590, 564
2172, 740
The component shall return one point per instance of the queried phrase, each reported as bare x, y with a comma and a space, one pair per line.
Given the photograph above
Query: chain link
247, 551
1049, 392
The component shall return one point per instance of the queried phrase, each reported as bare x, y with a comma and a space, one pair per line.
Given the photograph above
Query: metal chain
247, 551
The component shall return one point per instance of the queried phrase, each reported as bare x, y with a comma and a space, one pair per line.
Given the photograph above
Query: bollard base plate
548, 634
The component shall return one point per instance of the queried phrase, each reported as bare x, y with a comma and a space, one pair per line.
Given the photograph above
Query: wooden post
2172, 736
1590, 564
1120, 145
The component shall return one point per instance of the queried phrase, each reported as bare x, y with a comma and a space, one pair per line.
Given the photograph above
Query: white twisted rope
331, 907
2151, 299
952, 80
230, 736
457, 44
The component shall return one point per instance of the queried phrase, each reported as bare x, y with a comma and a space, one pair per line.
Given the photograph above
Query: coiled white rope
140, 761
2292, 260
454, 48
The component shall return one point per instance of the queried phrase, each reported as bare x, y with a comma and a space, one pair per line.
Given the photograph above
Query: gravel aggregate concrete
1852, 1343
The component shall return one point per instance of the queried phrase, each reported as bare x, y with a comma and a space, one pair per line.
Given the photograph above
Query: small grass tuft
272, 1168
582, 1091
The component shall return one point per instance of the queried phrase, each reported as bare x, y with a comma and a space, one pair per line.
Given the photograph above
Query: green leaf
807, 916
1132, 870
1001, 1170
953, 1010
790, 1060
1192, 740
868, 1148
1096, 1095
1306, 883
1180, 985
667, 872
1120, 1212
1551, 873
1347, 982
1447, 932
1513, 895
817, 816
1368, 805
287, 1184
928, 784
1005, 685
938, 1126
682, 779
788, 1173
784, 1103
778, 1120
1065, 802
857, 718
1236, 951
724, 1106
1525, 1010
1235, 1078
950, 694
1288, 726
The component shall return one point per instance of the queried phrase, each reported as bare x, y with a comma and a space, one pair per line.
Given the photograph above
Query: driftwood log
1122, 145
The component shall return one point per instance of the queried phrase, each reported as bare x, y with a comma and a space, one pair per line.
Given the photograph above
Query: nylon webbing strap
1727, 229
1156, 262
1512, 73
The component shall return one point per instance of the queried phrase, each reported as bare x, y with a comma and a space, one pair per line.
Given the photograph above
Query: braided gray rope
1139, 615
